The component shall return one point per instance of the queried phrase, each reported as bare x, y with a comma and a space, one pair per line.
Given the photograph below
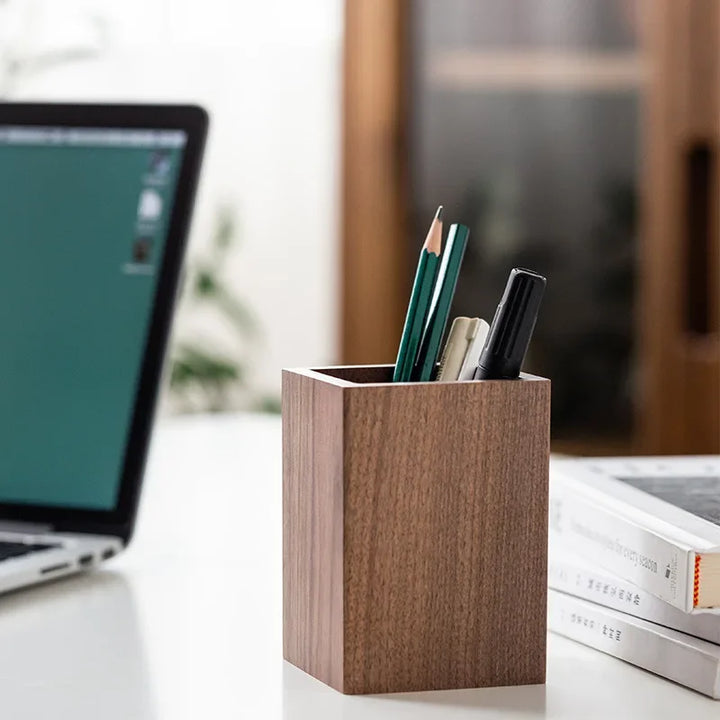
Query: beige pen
462, 349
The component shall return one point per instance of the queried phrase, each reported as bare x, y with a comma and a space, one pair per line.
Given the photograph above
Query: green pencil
424, 369
419, 300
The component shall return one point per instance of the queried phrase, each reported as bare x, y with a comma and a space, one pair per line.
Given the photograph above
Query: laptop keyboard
10, 550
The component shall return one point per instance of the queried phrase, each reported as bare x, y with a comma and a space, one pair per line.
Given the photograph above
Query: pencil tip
433, 241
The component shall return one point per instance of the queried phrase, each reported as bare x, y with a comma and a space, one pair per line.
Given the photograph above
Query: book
652, 521
572, 575
671, 654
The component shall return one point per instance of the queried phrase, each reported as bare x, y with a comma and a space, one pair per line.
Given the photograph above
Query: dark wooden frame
678, 408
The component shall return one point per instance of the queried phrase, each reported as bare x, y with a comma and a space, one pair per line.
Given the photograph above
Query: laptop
95, 203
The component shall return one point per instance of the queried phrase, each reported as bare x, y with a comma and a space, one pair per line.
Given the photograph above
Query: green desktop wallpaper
77, 276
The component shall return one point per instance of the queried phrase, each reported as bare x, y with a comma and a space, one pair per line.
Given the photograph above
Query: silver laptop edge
69, 553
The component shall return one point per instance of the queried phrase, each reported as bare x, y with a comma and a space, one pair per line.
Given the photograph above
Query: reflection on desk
73, 647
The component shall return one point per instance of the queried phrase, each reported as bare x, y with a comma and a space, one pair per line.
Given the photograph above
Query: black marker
512, 327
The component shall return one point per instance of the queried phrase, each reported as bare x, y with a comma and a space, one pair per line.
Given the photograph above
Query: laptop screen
84, 214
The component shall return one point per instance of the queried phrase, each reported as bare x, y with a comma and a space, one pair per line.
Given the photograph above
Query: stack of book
634, 564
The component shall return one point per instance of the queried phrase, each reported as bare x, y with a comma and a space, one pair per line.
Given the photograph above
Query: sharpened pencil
420, 298
437, 318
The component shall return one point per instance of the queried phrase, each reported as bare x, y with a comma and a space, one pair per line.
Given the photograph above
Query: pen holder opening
414, 529
359, 374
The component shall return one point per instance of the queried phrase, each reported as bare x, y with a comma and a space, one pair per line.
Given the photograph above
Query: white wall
269, 73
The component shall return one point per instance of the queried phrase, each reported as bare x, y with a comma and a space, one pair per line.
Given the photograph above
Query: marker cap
512, 327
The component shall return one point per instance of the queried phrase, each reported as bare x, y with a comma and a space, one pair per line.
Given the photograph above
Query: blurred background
263, 262
575, 137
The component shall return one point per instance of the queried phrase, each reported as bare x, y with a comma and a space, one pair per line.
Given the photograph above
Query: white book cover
671, 654
576, 576
652, 521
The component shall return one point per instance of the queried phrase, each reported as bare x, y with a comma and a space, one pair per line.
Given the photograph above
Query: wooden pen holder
414, 529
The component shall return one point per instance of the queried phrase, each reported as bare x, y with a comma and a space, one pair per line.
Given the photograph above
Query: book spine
661, 567
659, 650
574, 578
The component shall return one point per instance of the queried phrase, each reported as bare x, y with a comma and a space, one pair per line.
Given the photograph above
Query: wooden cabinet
579, 139
678, 394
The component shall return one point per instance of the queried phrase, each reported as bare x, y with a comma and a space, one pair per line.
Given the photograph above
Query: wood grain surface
313, 527
426, 504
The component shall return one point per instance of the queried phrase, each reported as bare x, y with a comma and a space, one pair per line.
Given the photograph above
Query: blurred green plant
203, 377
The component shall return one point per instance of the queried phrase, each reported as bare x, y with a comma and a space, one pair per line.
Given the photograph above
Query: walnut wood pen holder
414, 530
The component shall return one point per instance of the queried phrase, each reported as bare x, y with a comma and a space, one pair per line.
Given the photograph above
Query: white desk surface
187, 623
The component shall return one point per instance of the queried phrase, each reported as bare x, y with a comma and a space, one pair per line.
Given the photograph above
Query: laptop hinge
25, 527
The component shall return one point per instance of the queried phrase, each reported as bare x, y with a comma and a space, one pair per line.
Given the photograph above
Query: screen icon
142, 247
150, 205
160, 163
